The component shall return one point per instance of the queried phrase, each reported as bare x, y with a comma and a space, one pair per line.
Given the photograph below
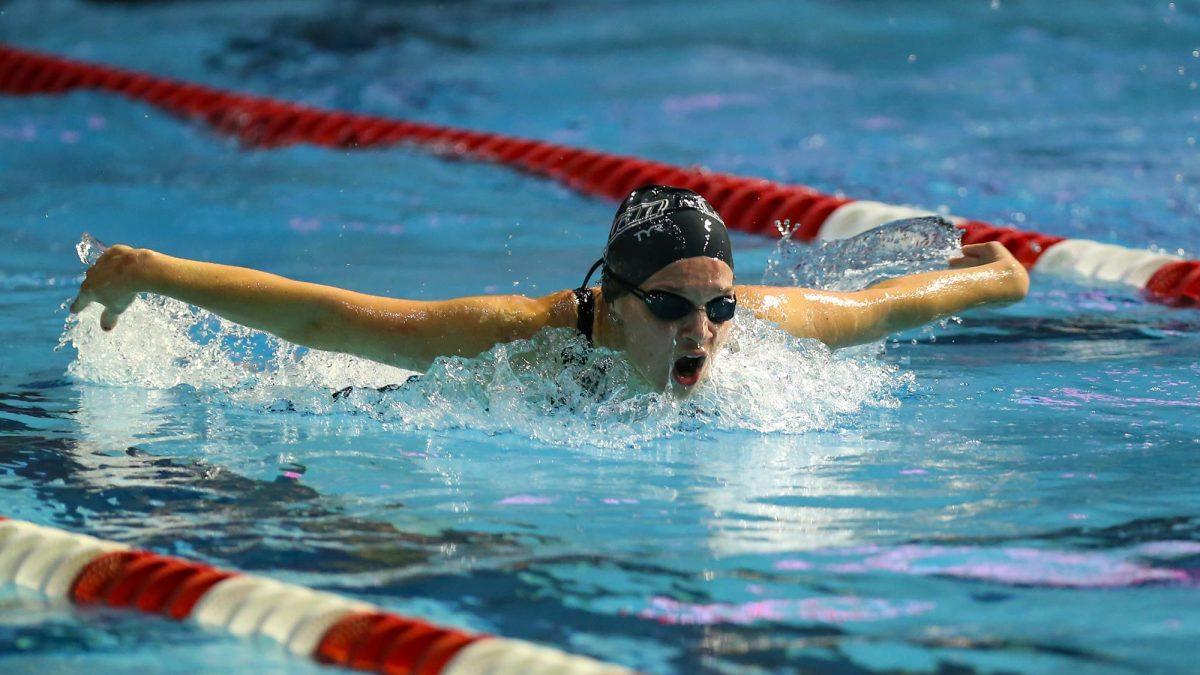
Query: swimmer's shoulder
557, 310
794, 309
769, 298
562, 309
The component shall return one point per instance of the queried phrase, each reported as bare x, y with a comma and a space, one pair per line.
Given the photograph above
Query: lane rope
335, 630
750, 205
321, 626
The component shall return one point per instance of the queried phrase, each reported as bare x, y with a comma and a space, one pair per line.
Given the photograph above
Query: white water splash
89, 249
551, 387
900, 247
162, 343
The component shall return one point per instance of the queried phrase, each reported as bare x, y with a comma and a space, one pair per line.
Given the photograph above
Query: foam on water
551, 387
163, 343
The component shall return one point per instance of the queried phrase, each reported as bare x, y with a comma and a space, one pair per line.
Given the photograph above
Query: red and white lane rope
322, 626
747, 204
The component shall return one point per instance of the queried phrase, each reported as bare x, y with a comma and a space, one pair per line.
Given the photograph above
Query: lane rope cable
322, 626
750, 205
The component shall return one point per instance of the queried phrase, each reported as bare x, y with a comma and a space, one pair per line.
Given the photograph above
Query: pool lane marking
1081, 260
322, 626
750, 205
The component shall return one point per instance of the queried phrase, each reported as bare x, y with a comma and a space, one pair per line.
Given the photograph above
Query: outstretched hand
112, 281
974, 255
1013, 282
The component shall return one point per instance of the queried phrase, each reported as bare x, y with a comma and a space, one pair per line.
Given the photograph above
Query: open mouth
686, 370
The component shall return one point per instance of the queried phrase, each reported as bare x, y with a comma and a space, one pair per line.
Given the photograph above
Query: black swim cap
657, 225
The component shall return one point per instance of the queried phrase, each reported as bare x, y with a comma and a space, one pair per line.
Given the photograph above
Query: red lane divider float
748, 204
322, 626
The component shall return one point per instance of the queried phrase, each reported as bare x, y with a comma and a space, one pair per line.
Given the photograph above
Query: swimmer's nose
696, 327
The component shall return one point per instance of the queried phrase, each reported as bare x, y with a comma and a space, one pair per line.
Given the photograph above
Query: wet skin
411, 334
653, 345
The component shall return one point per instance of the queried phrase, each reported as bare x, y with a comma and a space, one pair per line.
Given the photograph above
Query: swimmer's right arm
404, 333
985, 275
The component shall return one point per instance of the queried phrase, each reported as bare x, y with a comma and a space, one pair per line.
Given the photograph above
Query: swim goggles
671, 306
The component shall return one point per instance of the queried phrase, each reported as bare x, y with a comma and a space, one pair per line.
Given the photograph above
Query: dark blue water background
1026, 499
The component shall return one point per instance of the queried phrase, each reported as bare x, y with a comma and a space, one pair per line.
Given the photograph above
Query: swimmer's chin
681, 391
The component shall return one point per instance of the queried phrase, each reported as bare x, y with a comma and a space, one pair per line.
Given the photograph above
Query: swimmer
665, 298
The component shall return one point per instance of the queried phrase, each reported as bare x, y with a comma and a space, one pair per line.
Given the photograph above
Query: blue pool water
1018, 491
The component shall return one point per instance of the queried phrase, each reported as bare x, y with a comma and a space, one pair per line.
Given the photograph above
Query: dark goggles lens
670, 307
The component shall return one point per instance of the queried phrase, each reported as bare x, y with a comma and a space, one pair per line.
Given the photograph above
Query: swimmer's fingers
970, 257
92, 292
81, 301
962, 261
112, 310
109, 282
113, 307
974, 255
108, 319
87, 292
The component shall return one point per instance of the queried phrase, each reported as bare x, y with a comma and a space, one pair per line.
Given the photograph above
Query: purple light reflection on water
702, 102
1014, 566
1130, 401
526, 500
830, 610
1169, 549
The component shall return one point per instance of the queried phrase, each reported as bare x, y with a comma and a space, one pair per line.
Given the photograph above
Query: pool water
1015, 491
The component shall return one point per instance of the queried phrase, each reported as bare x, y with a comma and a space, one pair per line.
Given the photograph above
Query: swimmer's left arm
985, 275
406, 333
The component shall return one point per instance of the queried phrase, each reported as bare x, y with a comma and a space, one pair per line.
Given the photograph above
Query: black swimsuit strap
586, 299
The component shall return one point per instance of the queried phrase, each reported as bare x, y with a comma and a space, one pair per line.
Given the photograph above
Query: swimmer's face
676, 355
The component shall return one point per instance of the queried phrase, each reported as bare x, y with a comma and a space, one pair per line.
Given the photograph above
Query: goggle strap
590, 272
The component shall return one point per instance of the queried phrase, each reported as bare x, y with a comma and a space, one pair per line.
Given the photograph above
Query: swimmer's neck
607, 329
